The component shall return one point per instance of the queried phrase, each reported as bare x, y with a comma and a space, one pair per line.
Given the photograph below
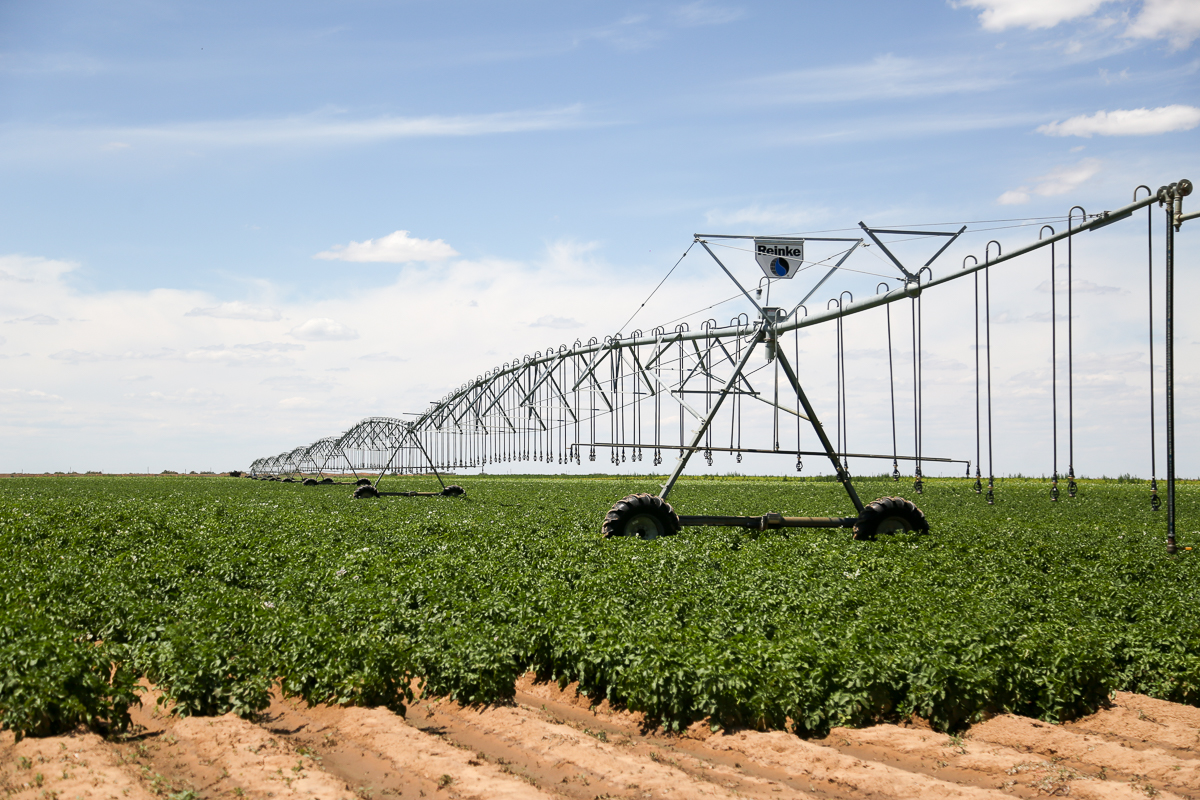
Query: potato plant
218, 589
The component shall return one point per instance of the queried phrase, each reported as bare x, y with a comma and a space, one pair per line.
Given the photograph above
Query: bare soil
555, 743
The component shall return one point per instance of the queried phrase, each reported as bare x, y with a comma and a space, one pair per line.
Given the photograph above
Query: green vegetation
215, 589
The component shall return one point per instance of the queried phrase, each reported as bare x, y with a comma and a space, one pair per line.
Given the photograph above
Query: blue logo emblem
780, 267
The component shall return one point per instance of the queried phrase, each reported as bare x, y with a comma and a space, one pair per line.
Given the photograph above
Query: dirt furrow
224, 755
591, 765
1140, 722
556, 743
1091, 753
383, 754
969, 759
79, 764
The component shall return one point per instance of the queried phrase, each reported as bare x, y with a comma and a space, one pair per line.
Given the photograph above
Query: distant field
217, 589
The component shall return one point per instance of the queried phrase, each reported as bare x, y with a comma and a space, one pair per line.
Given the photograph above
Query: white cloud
886, 77
1132, 122
703, 13
323, 329
999, 15
270, 347
381, 357
91, 356
560, 323
235, 356
1013, 198
321, 129
1177, 21
30, 394
26, 269
1057, 181
395, 248
37, 319
774, 217
298, 383
297, 402
1080, 287
237, 310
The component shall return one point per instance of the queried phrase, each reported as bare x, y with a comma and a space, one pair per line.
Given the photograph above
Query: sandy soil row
554, 743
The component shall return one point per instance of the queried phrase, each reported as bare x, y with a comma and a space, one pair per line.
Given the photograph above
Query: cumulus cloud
323, 329
1177, 21
395, 248
237, 310
999, 15
1059, 180
1132, 122
559, 323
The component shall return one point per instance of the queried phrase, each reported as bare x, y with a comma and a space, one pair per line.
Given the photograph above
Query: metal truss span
683, 391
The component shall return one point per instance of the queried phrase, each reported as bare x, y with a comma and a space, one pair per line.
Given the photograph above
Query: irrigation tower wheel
642, 515
366, 490
889, 515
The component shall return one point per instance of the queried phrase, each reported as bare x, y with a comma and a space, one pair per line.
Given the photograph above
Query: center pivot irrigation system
628, 396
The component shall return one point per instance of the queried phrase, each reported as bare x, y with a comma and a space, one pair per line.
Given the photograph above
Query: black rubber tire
889, 515
325, 480
310, 481
453, 490
289, 480
362, 482
645, 516
366, 490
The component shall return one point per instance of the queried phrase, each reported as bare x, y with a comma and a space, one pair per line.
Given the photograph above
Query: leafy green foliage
215, 589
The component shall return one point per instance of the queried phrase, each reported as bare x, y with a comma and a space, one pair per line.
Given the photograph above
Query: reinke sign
779, 258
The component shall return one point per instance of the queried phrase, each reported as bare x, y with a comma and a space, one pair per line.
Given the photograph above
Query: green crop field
218, 589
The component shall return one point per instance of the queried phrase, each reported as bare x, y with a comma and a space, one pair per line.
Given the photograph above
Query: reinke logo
779, 258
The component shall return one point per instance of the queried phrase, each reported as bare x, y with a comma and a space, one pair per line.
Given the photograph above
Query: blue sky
200, 242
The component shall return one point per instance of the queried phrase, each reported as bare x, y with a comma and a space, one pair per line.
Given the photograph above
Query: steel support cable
1155, 501
1071, 487
656, 288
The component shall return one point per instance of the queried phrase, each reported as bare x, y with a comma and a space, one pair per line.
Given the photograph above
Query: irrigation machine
627, 397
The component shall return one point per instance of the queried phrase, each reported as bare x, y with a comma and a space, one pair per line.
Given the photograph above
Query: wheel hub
644, 526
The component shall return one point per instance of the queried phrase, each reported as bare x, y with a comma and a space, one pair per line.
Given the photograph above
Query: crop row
217, 590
